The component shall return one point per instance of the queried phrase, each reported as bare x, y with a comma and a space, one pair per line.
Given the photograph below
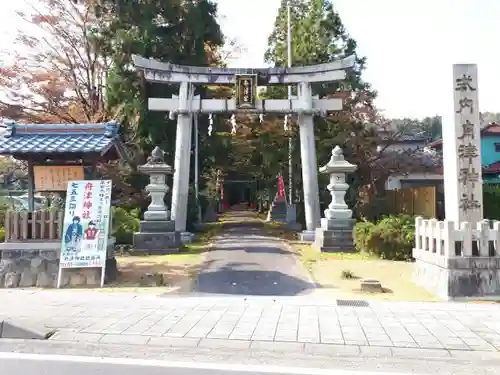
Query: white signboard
86, 226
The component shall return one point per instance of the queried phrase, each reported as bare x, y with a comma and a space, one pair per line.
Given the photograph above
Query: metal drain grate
352, 303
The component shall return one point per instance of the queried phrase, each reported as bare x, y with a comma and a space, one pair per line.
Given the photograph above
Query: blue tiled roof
58, 138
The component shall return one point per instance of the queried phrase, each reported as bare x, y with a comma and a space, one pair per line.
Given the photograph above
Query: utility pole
196, 167
290, 140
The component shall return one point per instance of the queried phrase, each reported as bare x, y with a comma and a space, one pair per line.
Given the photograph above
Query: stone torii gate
186, 104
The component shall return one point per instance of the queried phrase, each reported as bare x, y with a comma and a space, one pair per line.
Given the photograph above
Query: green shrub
361, 233
192, 208
2, 234
392, 238
491, 202
125, 223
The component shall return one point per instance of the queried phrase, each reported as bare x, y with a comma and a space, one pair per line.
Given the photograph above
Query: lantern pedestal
335, 235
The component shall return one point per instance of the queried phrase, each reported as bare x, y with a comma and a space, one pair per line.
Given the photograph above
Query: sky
410, 45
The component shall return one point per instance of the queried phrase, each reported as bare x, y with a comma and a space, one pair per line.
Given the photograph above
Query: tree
429, 127
171, 31
57, 70
490, 117
319, 37
181, 33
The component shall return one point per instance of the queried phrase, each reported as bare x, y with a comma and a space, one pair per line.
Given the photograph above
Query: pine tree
319, 36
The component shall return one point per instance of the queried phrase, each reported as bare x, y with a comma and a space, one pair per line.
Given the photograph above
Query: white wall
394, 181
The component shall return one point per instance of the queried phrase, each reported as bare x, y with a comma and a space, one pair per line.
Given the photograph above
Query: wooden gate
418, 201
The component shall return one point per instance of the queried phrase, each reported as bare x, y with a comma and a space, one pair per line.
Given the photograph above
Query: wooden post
8, 226
93, 168
31, 186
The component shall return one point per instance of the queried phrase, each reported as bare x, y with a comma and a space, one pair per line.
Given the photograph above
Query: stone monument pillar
463, 183
157, 232
335, 233
453, 258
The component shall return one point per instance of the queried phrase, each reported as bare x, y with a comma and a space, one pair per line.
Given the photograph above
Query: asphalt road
26, 367
68, 365
19, 357
245, 262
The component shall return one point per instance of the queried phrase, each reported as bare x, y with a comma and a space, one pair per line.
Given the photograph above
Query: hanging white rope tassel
210, 124
233, 123
285, 123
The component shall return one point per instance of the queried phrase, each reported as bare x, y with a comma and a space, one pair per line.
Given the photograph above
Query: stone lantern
157, 232
335, 233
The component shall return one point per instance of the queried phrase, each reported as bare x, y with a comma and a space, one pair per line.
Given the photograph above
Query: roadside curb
236, 348
255, 346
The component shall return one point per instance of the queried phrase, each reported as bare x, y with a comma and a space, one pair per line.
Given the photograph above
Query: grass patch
308, 255
280, 232
209, 231
348, 274
262, 215
271, 229
159, 272
333, 272
162, 273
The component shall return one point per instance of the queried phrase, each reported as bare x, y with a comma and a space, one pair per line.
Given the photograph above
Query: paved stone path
246, 262
301, 324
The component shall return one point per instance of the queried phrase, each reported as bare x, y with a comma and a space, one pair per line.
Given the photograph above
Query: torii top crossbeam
161, 72
245, 81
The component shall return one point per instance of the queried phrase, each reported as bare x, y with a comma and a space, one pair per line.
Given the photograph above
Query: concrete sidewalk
287, 324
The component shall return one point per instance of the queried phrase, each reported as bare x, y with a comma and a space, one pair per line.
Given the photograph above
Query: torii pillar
309, 164
180, 188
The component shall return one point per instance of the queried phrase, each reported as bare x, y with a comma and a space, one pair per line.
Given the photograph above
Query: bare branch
56, 71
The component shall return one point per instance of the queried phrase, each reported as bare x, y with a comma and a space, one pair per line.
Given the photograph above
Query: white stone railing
439, 240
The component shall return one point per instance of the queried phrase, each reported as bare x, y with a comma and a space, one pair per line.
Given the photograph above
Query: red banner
281, 194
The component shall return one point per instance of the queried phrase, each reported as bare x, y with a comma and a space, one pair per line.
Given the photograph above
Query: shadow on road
229, 280
247, 260
256, 249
